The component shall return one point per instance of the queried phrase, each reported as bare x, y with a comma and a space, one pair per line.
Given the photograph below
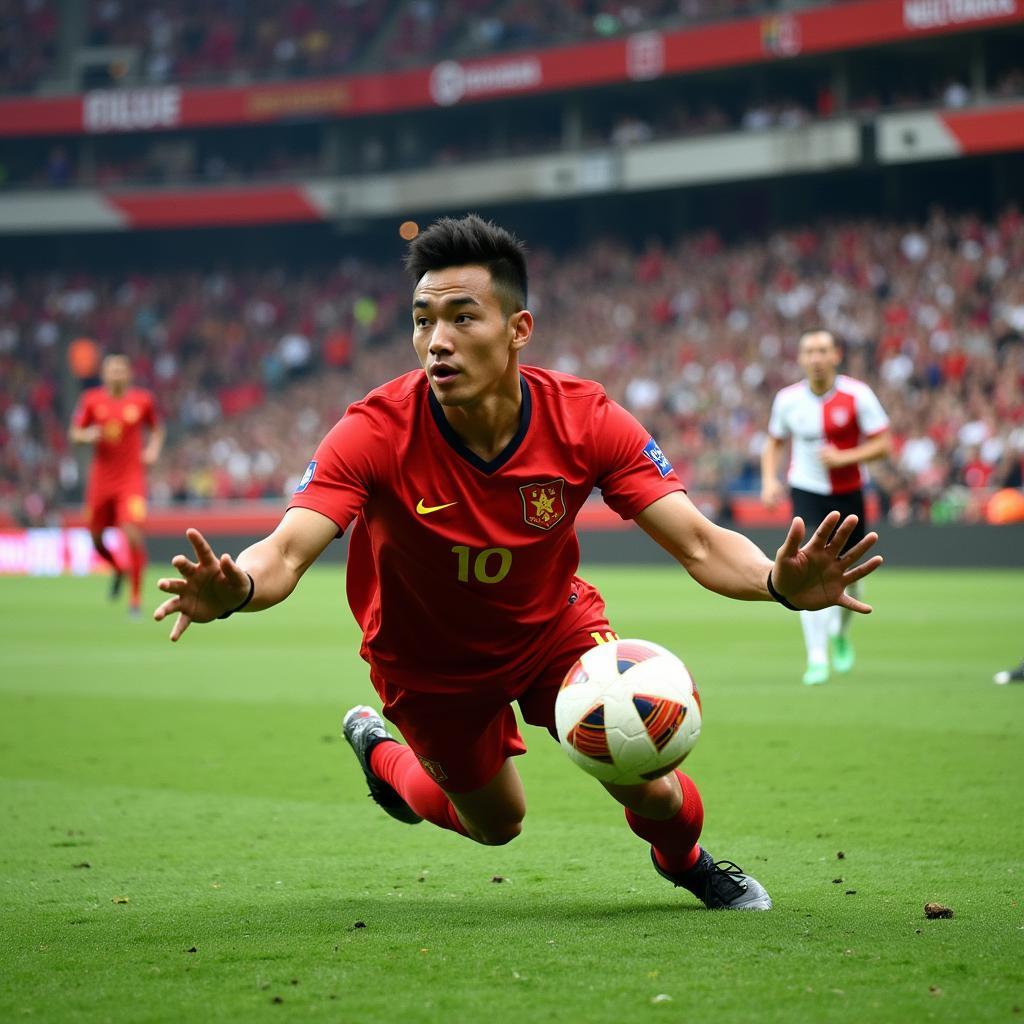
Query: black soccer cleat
719, 885
1010, 675
364, 729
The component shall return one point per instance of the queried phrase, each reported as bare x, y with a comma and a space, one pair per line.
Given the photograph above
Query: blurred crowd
190, 41
28, 43
695, 337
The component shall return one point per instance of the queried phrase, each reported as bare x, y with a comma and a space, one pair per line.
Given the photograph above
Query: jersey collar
455, 442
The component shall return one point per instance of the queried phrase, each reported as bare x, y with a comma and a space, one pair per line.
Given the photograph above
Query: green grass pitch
184, 836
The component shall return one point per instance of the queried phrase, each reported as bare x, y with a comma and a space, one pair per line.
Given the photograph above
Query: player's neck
116, 392
822, 387
487, 426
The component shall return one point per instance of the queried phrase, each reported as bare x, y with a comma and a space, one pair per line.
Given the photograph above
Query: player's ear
521, 324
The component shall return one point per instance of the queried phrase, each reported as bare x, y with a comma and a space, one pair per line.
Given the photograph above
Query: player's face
116, 374
466, 343
818, 358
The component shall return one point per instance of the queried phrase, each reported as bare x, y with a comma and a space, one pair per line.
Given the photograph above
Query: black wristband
248, 598
776, 596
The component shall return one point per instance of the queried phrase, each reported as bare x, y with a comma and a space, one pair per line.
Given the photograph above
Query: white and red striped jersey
842, 417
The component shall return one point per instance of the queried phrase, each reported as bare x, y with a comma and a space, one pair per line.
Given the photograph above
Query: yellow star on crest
544, 506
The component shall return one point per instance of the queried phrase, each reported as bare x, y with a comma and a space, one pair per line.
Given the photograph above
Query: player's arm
810, 576
84, 435
877, 447
83, 429
772, 489
263, 575
155, 444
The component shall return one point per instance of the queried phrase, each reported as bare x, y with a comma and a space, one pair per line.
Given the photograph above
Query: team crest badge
840, 417
544, 503
306, 477
658, 457
131, 413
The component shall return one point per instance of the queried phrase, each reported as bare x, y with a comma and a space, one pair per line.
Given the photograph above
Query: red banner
642, 56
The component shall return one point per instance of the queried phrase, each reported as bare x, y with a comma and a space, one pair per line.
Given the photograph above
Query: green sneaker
842, 653
816, 674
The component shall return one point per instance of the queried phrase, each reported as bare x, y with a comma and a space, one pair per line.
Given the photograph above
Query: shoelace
721, 880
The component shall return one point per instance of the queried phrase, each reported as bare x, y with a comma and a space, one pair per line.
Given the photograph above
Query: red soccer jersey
117, 463
459, 569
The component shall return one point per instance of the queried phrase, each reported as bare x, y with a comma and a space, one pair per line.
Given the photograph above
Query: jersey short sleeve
871, 417
632, 470
777, 420
344, 468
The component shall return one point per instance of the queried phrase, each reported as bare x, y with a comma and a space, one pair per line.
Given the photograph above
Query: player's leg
815, 627
472, 788
132, 516
840, 647
102, 512
812, 508
667, 813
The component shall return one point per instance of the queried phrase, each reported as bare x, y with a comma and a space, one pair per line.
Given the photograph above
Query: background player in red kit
463, 480
835, 423
113, 418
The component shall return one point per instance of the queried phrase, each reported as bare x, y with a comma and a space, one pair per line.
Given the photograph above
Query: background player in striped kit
835, 424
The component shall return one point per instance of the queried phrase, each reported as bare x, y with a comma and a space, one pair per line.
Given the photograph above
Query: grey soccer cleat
364, 729
719, 885
1010, 675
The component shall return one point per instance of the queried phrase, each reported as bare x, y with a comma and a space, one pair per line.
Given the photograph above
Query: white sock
815, 626
835, 620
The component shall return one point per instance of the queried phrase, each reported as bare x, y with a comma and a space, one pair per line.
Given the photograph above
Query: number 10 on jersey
491, 565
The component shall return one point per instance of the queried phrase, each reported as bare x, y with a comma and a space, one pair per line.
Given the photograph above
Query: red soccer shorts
114, 509
463, 739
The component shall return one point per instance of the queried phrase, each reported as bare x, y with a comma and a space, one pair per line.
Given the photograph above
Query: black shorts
812, 508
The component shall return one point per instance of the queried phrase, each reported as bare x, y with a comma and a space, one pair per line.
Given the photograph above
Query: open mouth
441, 372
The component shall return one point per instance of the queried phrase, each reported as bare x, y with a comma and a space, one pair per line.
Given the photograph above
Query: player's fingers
821, 535
170, 585
858, 572
854, 605
860, 548
184, 566
180, 625
204, 553
232, 572
838, 540
169, 607
791, 545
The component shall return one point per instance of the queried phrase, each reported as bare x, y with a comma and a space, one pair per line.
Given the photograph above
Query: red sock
136, 563
398, 766
675, 839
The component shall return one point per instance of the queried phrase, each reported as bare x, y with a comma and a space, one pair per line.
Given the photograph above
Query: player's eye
420, 321
463, 318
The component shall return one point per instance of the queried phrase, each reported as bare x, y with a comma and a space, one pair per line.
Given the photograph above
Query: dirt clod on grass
937, 910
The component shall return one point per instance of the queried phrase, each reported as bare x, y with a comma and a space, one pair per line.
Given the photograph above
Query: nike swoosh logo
425, 510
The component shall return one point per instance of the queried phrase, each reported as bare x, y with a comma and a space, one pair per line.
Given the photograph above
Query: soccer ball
628, 712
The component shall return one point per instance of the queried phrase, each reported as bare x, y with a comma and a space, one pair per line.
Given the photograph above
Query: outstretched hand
206, 589
817, 575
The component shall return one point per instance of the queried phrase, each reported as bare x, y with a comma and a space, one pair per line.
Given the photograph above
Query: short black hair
820, 330
471, 240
